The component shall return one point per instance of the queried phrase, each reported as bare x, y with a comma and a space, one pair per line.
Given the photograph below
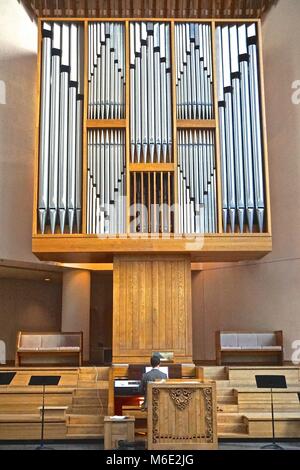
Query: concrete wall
265, 295
28, 306
18, 49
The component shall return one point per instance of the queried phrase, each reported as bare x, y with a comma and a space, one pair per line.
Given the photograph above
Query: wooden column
152, 307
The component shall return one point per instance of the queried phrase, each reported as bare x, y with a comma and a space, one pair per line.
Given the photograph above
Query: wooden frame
20, 353
220, 354
60, 247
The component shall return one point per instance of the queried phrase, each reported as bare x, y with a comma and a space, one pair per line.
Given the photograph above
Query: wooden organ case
151, 152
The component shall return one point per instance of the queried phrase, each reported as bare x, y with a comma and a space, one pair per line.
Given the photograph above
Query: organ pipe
61, 112
150, 117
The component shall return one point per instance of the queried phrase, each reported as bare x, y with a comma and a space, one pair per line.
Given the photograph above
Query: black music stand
43, 381
271, 381
6, 377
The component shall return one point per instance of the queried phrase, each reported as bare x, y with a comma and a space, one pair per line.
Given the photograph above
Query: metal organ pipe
240, 127
106, 69
106, 182
194, 75
45, 125
60, 160
150, 93
151, 127
196, 182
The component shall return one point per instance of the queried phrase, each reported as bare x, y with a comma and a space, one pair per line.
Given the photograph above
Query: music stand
6, 377
271, 382
43, 381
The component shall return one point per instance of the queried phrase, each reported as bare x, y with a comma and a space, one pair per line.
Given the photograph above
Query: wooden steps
246, 375
85, 418
287, 425
215, 373
74, 409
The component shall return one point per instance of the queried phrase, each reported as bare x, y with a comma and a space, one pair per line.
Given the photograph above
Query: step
232, 428
214, 372
222, 392
227, 408
87, 410
233, 435
86, 384
252, 406
84, 436
246, 374
90, 392
227, 399
287, 425
230, 418
85, 429
85, 419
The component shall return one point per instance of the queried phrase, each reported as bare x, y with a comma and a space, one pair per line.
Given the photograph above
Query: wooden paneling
212, 248
152, 308
196, 124
164, 8
182, 416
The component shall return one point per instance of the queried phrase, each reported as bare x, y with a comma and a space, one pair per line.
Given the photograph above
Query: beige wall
18, 45
101, 312
75, 312
265, 295
28, 306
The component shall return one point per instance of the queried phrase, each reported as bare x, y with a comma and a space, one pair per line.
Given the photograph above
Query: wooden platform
75, 409
244, 412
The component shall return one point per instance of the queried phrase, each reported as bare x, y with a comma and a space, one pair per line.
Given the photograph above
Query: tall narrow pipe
63, 126
237, 124
73, 84
246, 119
157, 88
132, 92
151, 107
144, 91
169, 92
163, 90
256, 126
138, 110
45, 126
229, 127
79, 129
54, 124
221, 105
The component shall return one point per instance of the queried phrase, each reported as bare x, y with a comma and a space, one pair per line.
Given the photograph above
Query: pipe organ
194, 71
106, 182
196, 182
106, 71
152, 127
60, 163
242, 173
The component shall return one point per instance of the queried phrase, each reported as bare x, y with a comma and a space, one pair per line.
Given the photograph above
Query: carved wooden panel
182, 415
152, 307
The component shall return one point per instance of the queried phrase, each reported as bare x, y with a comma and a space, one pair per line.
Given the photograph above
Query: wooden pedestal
117, 430
152, 307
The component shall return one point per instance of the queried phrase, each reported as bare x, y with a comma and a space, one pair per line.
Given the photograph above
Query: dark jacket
151, 376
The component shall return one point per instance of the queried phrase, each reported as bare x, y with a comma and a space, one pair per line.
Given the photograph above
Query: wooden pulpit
182, 415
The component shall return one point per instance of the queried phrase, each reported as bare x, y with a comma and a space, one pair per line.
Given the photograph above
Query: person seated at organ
151, 376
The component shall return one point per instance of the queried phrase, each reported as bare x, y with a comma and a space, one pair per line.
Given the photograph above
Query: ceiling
149, 8
29, 274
